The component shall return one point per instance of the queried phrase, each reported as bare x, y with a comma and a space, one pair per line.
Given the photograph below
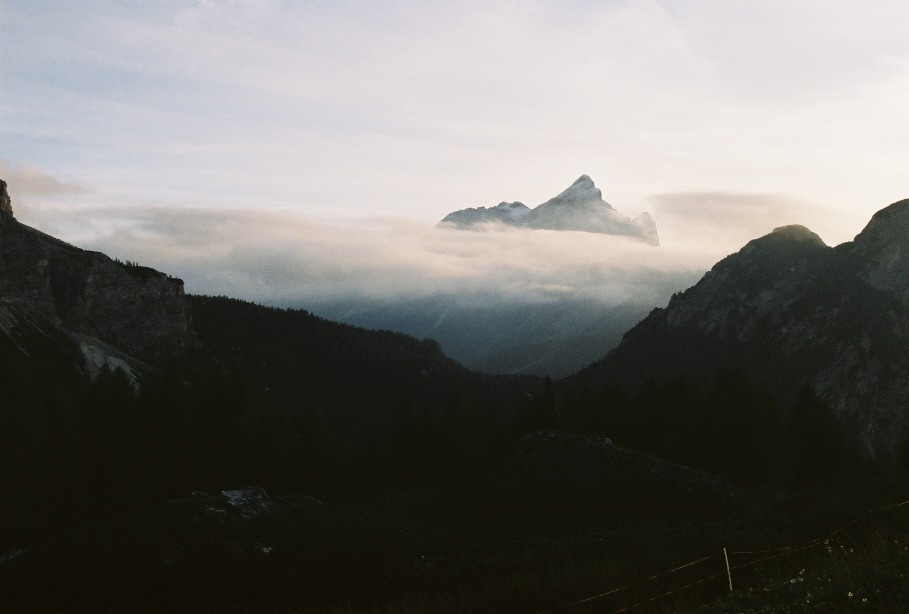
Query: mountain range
787, 309
579, 207
128, 405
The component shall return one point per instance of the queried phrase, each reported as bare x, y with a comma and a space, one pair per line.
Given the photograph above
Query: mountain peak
888, 222
797, 232
579, 207
883, 249
582, 190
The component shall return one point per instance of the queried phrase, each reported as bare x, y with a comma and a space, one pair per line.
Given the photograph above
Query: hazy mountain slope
791, 311
555, 338
578, 207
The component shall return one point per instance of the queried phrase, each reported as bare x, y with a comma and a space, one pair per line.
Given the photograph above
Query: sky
272, 150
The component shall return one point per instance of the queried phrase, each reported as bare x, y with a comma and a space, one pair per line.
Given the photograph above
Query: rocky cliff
116, 313
791, 311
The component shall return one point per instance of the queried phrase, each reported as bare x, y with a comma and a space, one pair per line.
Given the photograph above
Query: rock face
553, 461
112, 310
6, 206
578, 207
881, 251
791, 311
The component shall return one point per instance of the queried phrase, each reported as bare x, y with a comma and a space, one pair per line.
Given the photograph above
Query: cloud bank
280, 257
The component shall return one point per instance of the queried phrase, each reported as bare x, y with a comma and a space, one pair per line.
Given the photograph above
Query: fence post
728, 571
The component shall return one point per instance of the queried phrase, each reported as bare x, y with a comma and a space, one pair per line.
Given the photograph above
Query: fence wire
774, 553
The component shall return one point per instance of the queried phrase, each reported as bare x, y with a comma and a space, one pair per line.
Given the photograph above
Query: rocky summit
579, 207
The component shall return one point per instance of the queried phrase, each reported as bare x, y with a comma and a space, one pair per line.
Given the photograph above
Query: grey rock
579, 207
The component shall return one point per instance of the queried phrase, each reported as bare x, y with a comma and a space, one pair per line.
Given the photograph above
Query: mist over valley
454, 307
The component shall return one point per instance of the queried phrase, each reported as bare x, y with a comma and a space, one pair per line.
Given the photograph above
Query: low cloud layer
279, 257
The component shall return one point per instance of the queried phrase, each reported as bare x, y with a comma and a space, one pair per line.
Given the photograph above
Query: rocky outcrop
880, 252
556, 462
138, 311
6, 205
579, 207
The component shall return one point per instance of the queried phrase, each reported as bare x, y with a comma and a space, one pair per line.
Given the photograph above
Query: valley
179, 452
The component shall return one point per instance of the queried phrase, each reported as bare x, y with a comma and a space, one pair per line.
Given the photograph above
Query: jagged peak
580, 207
583, 180
583, 189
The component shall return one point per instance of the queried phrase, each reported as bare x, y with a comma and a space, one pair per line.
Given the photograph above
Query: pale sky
120, 121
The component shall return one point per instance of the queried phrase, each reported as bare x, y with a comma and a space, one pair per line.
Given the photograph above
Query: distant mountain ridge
791, 311
579, 207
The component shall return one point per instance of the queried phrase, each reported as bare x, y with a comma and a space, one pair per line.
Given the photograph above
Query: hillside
790, 311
